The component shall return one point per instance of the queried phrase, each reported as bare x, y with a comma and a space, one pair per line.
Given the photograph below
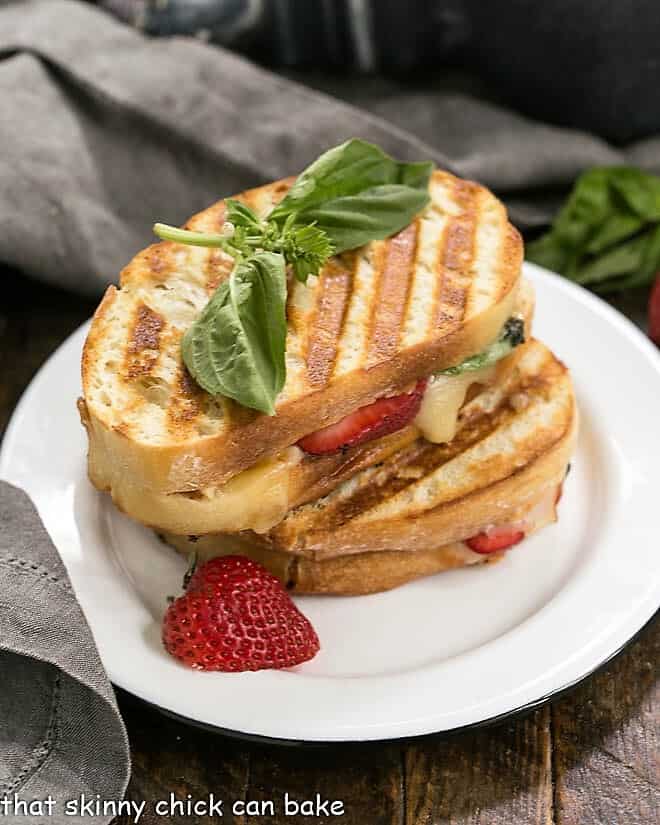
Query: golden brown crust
185, 440
374, 572
366, 572
345, 576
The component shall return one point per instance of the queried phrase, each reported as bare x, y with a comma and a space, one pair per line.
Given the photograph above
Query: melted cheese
437, 418
256, 499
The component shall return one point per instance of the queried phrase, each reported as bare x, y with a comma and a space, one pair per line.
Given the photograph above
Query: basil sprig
356, 193
607, 235
351, 195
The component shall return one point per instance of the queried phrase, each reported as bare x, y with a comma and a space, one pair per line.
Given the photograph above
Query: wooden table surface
591, 757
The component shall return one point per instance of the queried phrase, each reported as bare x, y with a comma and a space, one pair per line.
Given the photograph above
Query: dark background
590, 64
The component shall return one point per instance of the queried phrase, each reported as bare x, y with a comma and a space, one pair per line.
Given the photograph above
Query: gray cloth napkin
103, 132
60, 730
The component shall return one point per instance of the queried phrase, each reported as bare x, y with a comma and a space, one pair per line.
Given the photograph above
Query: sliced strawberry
499, 538
654, 312
384, 416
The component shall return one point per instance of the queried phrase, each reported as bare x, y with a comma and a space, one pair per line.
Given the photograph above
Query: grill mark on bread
144, 341
353, 337
250, 198
323, 473
280, 188
218, 268
327, 322
186, 402
159, 261
392, 293
456, 251
409, 465
378, 259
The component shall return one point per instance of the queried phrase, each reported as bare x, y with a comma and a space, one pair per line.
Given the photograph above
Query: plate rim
592, 302
489, 722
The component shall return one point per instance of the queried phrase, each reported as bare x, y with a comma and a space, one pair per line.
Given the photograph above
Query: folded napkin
61, 734
104, 131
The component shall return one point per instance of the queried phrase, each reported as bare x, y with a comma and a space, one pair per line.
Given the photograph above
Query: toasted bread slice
258, 498
376, 320
362, 573
512, 449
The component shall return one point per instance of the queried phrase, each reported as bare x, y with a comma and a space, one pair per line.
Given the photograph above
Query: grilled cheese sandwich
374, 322
415, 432
415, 513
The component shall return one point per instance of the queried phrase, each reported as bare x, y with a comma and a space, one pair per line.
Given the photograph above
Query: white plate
456, 649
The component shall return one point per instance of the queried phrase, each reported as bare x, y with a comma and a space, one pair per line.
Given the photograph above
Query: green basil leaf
621, 260
376, 213
651, 260
549, 252
511, 336
616, 227
344, 171
236, 347
588, 206
239, 214
647, 270
607, 236
416, 175
639, 190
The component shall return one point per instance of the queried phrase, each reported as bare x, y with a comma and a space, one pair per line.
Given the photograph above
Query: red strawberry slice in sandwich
384, 416
499, 538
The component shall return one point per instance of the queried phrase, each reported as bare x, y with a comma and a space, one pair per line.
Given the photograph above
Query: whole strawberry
236, 616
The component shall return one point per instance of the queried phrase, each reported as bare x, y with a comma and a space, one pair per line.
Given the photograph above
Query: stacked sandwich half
420, 426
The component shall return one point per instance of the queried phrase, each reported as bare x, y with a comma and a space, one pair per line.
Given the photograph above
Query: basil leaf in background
236, 347
586, 208
549, 252
605, 236
512, 335
374, 214
618, 226
651, 257
645, 272
345, 170
640, 191
621, 260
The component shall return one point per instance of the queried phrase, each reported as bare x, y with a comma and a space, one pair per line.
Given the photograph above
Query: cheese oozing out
437, 419
255, 499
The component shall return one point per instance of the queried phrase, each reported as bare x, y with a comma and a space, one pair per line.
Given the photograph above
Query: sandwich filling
367, 572
433, 405
259, 497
